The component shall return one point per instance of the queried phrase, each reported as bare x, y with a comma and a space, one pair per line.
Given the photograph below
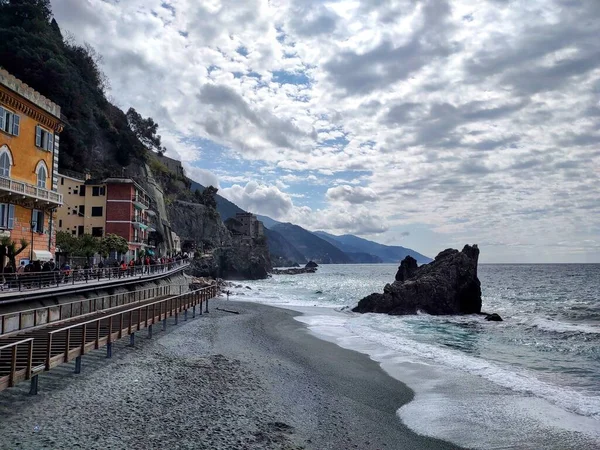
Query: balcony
28, 194
139, 201
139, 222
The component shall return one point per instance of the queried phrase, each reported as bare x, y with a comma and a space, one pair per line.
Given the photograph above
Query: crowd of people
37, 274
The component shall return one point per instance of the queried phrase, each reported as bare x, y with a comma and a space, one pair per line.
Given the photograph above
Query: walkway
17, 287
24, 355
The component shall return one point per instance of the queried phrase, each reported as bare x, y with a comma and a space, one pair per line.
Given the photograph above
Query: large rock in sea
447, 285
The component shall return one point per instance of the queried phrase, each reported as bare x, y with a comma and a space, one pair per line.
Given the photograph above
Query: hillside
96, 134
311, 246
283, 253
388, 253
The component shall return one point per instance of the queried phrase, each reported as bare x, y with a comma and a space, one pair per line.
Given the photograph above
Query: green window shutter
11, 217
16, 124
2, 118
50, 142
38, 136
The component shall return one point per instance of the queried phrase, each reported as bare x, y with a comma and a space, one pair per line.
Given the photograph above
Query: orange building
29, 127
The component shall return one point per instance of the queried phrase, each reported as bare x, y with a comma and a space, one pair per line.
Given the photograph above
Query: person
8, 275
86, 270
123, 268
46, 273
131, 267
65, 271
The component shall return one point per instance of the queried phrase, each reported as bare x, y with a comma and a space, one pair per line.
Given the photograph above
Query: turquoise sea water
547, 348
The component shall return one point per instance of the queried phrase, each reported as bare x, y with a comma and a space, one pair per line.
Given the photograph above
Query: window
44, 139
81, 210
42, 174
98, 190
74, 232
37, 221
59, 223
82, 191
7, 216
62, 181
97, 231
5, 165
97, 211
9, 122
80, 230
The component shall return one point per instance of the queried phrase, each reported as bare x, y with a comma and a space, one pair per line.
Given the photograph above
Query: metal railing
20, 187
30, 318
140, 200
75, 340
16, 371
46, 349
28, 281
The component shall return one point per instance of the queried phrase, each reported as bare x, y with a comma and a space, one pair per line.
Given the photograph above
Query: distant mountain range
291, 244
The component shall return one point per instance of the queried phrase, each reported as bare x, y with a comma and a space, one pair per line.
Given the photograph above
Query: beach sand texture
257, 380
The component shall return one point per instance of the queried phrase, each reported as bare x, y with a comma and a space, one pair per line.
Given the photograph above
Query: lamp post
32, 224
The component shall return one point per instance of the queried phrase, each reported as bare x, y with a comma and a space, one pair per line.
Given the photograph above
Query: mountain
283, 254
267, 221
363, 258
225, 208
311, 245
388, 253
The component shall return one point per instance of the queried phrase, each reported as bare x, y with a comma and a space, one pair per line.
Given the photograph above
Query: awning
42, 255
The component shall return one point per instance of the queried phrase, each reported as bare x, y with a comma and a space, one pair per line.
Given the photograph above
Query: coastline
259, 379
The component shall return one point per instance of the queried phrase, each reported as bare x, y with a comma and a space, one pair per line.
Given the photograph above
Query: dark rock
493, 317
311, 264
294, 271
447, 285
407, 268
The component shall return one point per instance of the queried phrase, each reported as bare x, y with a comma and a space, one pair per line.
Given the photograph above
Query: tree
112, 243
8, 248
87, 245
145, 130
208, 197
66, 242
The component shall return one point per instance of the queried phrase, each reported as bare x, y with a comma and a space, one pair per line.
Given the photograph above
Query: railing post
13, 366
67, 339
29, 360
49, 351
33, 388
132, 340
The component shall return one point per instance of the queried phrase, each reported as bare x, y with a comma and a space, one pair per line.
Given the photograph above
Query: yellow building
84, 205
29, 127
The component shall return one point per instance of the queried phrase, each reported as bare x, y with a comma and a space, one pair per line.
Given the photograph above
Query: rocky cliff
448, 285
198, 223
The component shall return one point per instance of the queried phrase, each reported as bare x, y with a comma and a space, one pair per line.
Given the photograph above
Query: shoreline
257, 379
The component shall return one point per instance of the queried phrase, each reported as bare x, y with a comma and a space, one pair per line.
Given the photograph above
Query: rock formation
311, 265
448, 285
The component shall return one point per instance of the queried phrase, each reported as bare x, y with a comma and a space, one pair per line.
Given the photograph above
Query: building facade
29, 142
112, 206
128, 214
84, 205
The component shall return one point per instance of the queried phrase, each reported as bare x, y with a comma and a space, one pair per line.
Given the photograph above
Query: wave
519, 380
562, 327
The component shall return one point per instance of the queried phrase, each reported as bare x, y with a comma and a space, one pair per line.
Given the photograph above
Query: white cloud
260, 199
351, 194
474, 119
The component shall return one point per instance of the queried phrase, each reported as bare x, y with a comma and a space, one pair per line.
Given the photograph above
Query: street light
32, 224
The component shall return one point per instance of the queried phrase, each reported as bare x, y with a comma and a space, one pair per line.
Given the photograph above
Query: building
172, 164
84, 205
245, 228
29, 142
112, 206
127, 214
250, 225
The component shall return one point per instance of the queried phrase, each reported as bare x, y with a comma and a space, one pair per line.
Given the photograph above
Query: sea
531, 381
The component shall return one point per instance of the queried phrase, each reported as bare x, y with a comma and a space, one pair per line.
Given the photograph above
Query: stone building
29, 141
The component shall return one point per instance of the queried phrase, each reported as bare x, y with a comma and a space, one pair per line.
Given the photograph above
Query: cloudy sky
422, 123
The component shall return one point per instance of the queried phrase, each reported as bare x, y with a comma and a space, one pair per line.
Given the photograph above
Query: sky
423, 123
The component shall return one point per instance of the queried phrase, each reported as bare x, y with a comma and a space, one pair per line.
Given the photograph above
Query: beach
253, 380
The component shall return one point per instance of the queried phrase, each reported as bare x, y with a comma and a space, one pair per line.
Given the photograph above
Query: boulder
493, 317
311, 265
447, 285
